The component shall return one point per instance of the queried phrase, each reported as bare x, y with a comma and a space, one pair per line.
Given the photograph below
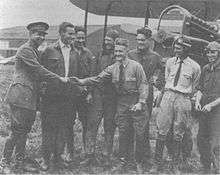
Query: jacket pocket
53, 62
21, 95
185, 80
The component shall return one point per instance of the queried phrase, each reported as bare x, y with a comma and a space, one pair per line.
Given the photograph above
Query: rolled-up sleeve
142, 84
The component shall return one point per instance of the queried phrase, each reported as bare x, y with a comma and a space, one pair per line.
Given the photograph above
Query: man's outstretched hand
75, 80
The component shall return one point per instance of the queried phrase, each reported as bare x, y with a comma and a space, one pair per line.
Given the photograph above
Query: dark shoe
5, 166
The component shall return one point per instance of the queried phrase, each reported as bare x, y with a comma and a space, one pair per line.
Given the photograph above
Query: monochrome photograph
110, 87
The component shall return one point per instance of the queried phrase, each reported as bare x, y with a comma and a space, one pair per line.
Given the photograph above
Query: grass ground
34, 138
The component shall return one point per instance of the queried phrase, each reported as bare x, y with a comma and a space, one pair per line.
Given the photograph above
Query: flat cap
213, 46
145, 31
122, 42
182, 41
38, 26
112, 34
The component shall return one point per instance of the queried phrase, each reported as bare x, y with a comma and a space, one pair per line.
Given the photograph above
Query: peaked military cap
38, 26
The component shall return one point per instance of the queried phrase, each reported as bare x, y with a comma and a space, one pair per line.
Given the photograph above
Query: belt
178, 92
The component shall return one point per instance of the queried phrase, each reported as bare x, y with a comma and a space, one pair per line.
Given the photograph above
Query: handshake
72, 80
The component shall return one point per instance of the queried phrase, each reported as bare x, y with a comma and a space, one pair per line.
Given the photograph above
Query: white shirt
189, 75
66, 55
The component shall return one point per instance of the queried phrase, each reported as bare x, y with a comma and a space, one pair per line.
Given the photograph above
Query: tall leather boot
176, 157
158, 157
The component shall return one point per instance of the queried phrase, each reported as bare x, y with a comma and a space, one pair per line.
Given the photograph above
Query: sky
22, 12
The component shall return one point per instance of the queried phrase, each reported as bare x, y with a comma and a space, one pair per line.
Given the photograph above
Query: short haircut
64, 25
146, 31
122, 42
112, 34
80, 29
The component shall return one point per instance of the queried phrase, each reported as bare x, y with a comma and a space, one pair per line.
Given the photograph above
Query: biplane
193, 15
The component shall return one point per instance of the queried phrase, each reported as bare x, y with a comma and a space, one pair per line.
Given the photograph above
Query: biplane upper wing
206, 9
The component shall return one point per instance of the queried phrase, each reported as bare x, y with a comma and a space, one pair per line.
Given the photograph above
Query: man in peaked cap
208, 103
182, 76
39, 27
22, 95
152, 63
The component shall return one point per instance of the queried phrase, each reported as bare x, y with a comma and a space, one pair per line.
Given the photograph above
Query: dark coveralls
57, 105
151, 62
133, 89
208, 137
108, 94
88, 113
22, 98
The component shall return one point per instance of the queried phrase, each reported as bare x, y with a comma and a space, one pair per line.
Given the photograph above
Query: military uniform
208, 135
22, 94
134, 89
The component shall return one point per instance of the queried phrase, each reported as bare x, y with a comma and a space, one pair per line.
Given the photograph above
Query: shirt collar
125, 62
177, 60
62, 45
216, 65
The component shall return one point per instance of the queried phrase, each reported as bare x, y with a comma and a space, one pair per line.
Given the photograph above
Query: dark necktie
177, 76
121, 77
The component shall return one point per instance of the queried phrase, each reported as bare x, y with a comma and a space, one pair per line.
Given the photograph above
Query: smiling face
212, 55
68, 36
179, 50
120, 52
80, 39
37, 37
142, 42
109, 43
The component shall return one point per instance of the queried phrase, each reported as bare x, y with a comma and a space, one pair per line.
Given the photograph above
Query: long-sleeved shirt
86, 64
151, 62
104, 60
210, 83
189, 75
135, 78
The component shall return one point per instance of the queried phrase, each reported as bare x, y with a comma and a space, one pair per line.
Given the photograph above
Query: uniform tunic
22, 96
135, 89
